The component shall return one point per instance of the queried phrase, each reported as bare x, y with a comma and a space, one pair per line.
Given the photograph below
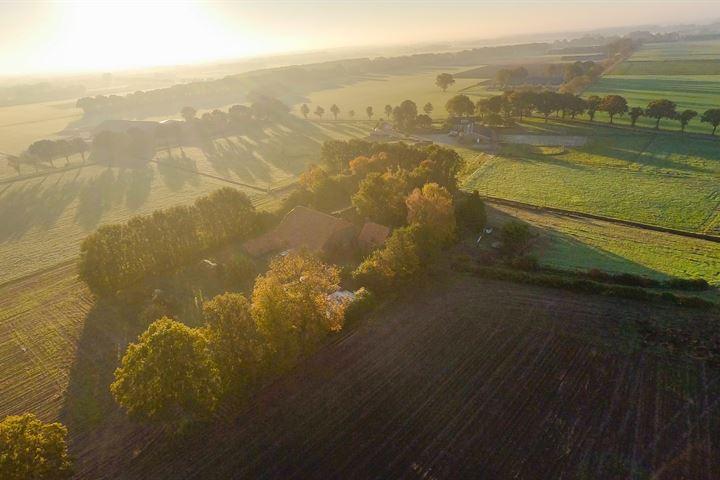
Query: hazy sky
48, 36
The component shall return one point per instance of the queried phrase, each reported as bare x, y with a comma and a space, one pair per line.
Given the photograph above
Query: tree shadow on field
95, 422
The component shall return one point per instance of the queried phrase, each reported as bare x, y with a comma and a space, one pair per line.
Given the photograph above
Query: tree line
500, 109
47, 151
116, 256
174, 374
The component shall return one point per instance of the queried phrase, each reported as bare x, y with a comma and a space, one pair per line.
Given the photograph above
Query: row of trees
497, 109
47, 151
115, 256
174, 373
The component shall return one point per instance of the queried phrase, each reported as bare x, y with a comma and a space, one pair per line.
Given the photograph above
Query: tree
546, 103
381, 198
593, 103
460, 105
168, 375
45, 150
685, 116
423, 122
31, 449
305, 110
351, 113
635, 114
407, 252
233, 339
712, 117
444, 80
291, 307
522, 102
659, 109
432, 206
369, 112
335, 110
80, 146
515, 237
613, 105
319, 111
574, 105
428, 108
470, 212
388, 111
188, 114
405, 115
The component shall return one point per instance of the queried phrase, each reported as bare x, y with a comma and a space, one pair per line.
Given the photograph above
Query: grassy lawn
656, 179
380, 90
584, 244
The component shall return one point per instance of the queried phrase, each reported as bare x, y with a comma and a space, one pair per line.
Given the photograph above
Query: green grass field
380, 90
584, 244
662, 180
687, 73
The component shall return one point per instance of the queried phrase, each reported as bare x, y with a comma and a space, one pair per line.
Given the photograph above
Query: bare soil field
448, 382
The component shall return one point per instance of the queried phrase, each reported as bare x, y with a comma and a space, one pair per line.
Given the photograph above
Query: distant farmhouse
318, 232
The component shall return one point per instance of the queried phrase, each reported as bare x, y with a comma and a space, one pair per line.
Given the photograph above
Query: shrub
361, 306
515, 237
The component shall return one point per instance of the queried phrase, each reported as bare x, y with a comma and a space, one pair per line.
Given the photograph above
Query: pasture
391, 89
666, 180
447, 381
687, 73
575, 243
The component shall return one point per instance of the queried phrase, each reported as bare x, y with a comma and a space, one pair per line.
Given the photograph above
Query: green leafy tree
593, 105
188, 114
432, 206
684, 117
234, 342
460, 105
471, 212
80, 146
31, 449
712, 117
291, 307
335, 110
659, 109
428, 108
405, 115
546, 103
407, 252
305, 110
613, 105
45, 150
522, 102
369, 112
319, 111
168, 375
515, 237
388, 111
381, 198
635, 114
444, 80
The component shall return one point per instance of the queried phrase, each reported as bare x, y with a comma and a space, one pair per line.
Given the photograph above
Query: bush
359, 308
688, 284
515, 237
241, 270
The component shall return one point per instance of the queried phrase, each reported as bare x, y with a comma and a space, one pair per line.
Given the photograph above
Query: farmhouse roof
373, 235
302, 227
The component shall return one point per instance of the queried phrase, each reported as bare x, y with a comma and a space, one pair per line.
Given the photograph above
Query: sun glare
98, 36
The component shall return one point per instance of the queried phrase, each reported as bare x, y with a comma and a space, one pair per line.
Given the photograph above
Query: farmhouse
304, 227
372, 236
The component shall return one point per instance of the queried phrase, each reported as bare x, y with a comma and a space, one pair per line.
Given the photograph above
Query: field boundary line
619, 221
20, 178
215, 177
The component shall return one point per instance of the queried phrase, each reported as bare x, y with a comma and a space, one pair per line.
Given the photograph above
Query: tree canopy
444, 80
168, 375
32, 449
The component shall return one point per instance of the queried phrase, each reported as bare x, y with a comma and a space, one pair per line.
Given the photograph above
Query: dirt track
466, 379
